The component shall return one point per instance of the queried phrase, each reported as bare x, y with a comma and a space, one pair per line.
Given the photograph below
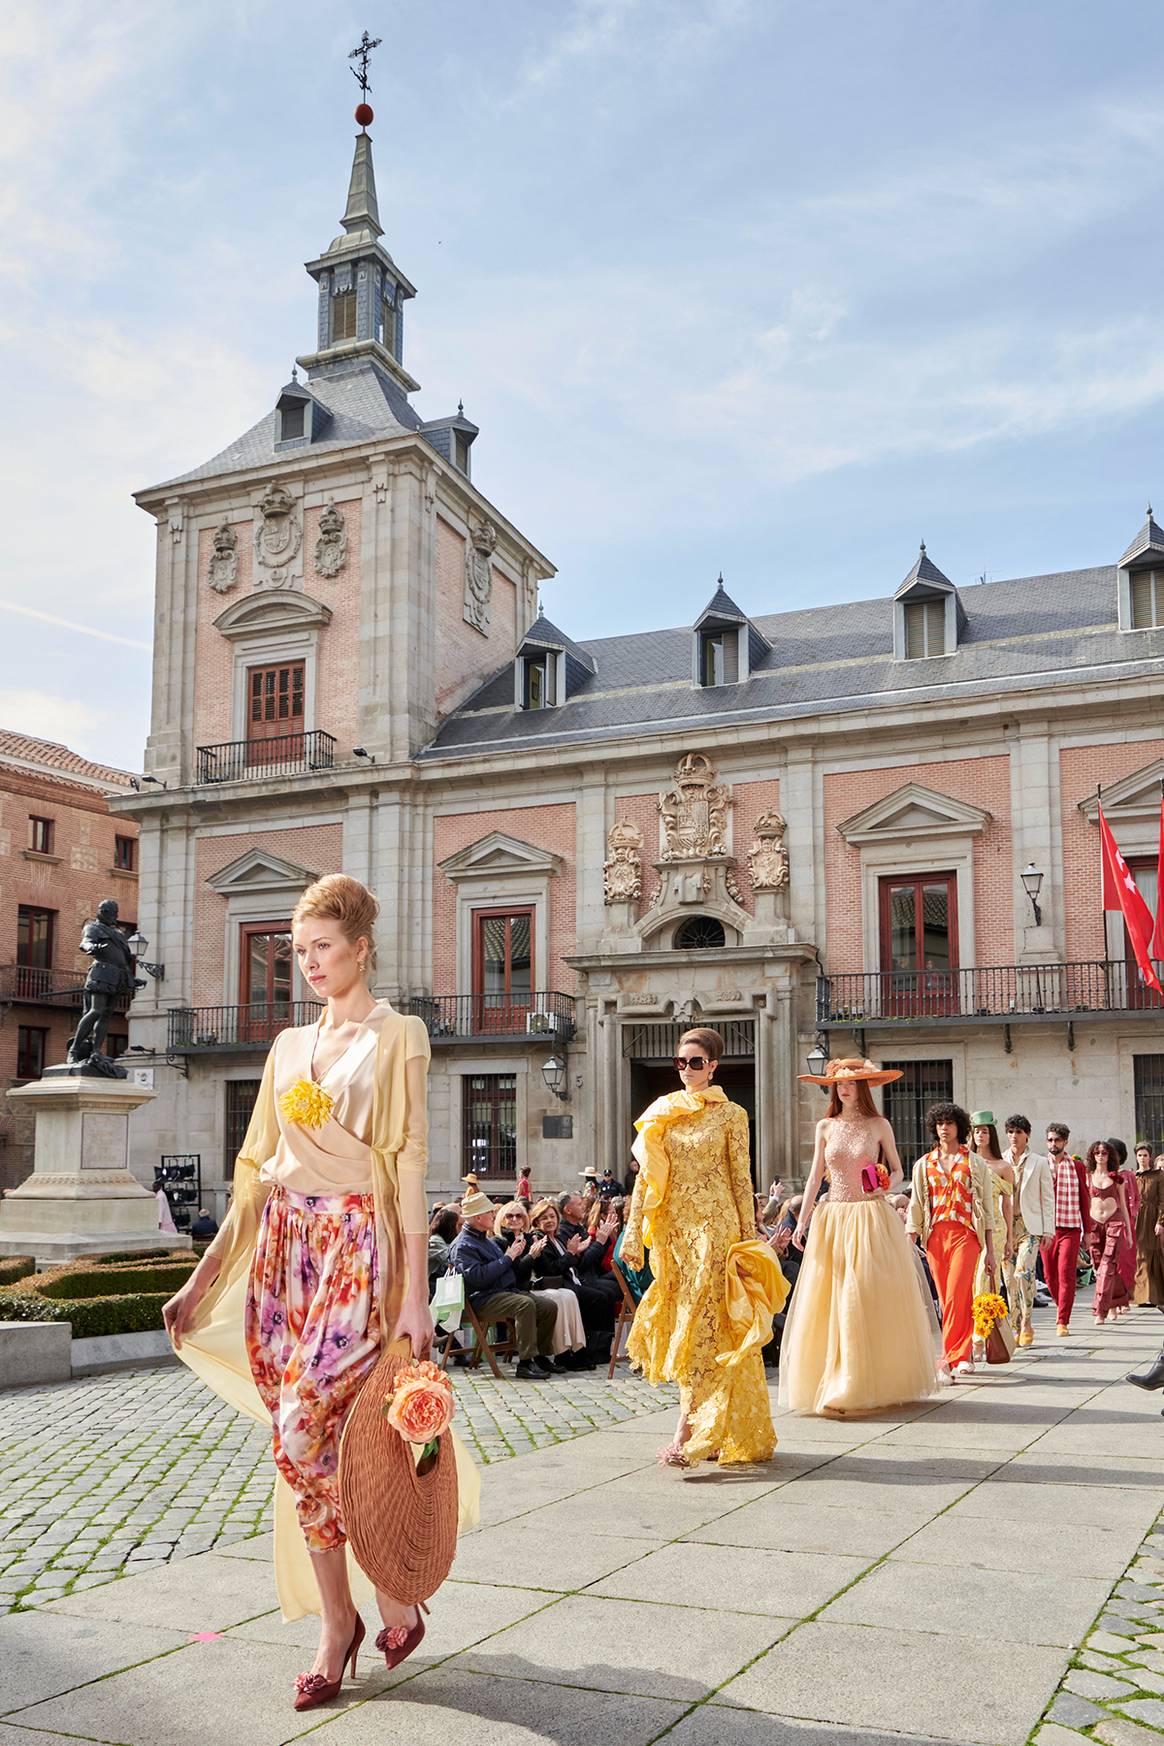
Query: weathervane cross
362, 53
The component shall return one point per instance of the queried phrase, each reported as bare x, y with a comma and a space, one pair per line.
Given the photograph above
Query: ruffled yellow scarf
654, 1164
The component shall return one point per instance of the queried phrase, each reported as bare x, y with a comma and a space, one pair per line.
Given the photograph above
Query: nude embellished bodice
849, 1146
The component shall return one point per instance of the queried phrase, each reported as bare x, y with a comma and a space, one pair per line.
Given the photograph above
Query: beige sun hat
476, 1203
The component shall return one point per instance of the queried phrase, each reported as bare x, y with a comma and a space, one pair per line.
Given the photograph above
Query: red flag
1158, 936
1121, 892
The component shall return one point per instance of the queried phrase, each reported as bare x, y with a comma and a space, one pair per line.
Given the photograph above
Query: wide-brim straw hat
476, 1203
853, 1068
401, 1522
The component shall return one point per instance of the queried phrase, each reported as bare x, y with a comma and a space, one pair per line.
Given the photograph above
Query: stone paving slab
863, 1550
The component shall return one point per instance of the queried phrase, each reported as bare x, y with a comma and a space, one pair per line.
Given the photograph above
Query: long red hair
865, 1104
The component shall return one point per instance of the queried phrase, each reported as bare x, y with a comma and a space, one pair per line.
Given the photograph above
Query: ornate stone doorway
648, 1050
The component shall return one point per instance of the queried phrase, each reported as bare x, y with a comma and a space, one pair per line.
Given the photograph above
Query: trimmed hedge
16, 1267
124, 1255
96, 1299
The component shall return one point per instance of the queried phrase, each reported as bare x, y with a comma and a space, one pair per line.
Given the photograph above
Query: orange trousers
953, 1252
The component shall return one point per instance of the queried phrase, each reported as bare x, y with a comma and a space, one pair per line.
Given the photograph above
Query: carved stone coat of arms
331, 548
767, 857
622, 871
694, 811
223, 570
278, 536
479, 575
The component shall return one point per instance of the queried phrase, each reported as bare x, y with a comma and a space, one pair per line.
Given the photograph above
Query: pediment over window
913, 811
259, 870
499, 856
1135, 797
271, 609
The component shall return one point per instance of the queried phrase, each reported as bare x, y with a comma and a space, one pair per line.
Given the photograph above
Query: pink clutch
869, 1180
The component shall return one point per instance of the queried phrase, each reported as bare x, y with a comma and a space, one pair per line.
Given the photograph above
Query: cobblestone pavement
1114, 1689
120, 1472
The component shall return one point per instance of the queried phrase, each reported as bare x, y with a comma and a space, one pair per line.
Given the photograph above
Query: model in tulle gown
861, 1333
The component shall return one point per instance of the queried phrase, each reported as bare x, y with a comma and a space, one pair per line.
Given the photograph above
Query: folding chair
626, 1315
482, 1345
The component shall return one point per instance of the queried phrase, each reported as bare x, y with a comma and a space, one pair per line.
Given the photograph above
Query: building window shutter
343, 316
1147, 599
925, 629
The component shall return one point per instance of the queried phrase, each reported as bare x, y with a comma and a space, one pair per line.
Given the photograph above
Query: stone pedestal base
81, 1198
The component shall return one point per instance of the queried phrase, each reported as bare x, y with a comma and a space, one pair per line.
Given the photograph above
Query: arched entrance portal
650, 1049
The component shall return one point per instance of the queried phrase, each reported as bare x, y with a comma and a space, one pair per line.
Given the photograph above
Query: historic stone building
61, 853
812, 828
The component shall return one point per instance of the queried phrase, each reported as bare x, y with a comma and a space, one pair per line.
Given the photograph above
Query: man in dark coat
491, 1287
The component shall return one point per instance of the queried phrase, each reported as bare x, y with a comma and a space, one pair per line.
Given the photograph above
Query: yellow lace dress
682, 1324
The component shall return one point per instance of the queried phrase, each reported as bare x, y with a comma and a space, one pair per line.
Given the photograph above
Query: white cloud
65, 720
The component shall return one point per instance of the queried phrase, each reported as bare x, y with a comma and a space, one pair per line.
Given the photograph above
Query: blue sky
774, 288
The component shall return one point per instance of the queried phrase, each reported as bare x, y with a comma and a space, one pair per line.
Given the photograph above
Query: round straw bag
402, 1524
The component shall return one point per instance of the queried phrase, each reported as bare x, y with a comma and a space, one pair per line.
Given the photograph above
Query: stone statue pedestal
81, 1198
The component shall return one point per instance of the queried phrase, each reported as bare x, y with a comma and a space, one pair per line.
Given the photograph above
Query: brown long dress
1149, 1243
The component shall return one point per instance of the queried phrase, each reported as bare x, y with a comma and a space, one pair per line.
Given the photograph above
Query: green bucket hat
982, 1118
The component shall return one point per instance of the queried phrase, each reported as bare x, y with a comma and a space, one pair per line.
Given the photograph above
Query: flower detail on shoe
395, 1637
309, 1682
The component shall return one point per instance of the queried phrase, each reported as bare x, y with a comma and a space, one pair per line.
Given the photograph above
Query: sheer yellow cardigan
215, 1347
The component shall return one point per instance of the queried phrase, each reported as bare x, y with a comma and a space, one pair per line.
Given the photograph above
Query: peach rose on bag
421, 1406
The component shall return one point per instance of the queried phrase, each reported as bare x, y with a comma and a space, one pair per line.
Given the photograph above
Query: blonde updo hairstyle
339, 898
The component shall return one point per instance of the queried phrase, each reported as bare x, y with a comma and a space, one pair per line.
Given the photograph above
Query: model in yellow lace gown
681, 1323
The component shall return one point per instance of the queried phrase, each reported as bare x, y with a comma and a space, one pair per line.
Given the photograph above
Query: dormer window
343, 316
925, 629
292, 421
539, 680
719, 657
726, 645
1147, 597
927, 614
1140, 580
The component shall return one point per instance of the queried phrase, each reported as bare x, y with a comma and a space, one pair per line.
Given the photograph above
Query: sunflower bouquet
988, 1307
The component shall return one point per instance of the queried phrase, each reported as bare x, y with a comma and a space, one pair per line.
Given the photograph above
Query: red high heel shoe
396, 1642
312, 1689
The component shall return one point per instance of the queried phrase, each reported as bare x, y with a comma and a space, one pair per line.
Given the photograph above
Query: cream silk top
337, 1157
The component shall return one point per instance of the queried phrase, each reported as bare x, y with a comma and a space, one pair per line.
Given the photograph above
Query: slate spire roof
721, 607
361, 219
925, 570
1147, 543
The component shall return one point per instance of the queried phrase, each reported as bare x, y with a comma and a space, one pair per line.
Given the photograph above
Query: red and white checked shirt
1068, 1212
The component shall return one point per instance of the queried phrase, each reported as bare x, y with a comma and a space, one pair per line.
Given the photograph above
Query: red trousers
953, 1252
1108, 1247
1060, 1258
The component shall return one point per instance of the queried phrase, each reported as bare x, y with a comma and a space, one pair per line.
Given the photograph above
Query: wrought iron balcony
284, 755
46, 987
497, 1018
203, 1030
1005, 993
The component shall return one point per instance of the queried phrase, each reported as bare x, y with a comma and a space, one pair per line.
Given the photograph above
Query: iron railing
283, 755
46, 987
997, 993
203, 1029
449, 1018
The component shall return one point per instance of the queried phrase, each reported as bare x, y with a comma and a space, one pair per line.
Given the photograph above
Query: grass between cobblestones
116, 1473
1114, 1689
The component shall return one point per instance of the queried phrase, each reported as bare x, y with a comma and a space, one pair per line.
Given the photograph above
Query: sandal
671, 1455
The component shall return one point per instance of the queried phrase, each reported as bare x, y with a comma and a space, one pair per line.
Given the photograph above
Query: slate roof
925, 570
1149, 539
51, 756
721, 605
544, 635
837, 658
364, 403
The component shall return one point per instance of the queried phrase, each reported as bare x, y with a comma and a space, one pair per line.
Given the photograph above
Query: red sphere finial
364, 114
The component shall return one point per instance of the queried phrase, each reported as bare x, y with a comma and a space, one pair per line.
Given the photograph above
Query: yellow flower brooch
306, 1103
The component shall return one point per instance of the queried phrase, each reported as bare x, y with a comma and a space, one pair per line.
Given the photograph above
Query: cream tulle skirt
861, 1333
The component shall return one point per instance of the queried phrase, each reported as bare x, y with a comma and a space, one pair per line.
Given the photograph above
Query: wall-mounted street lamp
554, 1074
817, 1058
139, 946
1032, 884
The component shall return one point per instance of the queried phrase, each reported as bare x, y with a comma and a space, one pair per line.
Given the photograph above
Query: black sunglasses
696, 1062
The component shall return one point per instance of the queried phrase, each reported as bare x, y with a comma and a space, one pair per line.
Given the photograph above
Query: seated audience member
443, 1227
598, 1296
491, 1287
512, 1227
204, 1225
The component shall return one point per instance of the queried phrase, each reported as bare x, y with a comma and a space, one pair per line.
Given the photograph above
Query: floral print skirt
313, 1334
